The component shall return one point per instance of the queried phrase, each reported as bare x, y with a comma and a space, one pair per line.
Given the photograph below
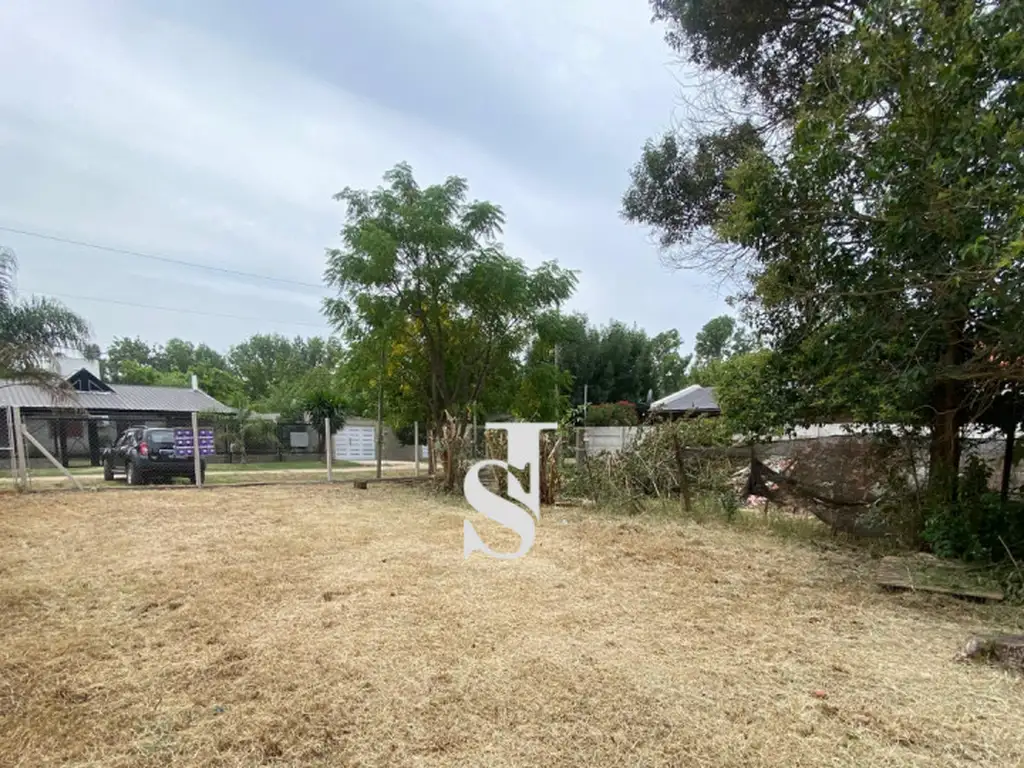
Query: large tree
754, 60
613, 362
269, 364
884, 234
33, 333
424, 266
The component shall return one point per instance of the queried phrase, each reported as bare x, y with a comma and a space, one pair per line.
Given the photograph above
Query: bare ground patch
315, 625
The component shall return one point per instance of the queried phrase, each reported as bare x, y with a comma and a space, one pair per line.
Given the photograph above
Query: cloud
179, 129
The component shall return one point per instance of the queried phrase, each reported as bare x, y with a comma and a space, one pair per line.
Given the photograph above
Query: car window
161, 438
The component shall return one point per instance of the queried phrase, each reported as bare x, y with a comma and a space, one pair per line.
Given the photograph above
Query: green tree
756, 58
123, 350
887, 235
132, 372
424, 266
752, 391
268, 364
33, 333
712, 341
245, 428
321, 403
616, 362
669, 365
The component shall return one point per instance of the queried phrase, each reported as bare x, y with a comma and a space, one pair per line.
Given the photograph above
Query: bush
620, 414
978, 527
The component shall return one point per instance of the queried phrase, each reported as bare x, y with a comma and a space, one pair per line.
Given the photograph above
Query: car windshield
162, 438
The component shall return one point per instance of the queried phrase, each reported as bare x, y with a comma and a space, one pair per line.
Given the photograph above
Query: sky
217, 132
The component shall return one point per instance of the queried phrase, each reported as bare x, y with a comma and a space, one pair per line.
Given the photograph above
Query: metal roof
124, 397
693, 398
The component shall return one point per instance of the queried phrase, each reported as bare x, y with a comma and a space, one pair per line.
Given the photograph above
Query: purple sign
183, 443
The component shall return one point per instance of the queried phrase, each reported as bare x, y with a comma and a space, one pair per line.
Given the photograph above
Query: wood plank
363, 484
897, 573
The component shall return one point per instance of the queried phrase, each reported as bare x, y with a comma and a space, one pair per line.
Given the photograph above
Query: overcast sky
217, 132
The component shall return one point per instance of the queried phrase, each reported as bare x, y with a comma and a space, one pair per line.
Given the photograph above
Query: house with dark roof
94, 412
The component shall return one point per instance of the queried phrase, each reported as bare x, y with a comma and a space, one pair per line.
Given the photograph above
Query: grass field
325, 626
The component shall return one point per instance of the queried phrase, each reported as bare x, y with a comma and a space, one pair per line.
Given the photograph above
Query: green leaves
421, 274
34, 332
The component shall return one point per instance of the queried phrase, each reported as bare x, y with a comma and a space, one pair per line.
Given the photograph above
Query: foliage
751, 389
320, 404
266, 361
896, 273
611, 363
679, 185
245, 429
423, 267
33, 333
768, 47
620, 414
976, 526
712, 341
882, 230
132, 372
262, 371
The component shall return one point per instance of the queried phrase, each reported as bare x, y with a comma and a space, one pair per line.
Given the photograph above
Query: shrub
976, 527
620, 414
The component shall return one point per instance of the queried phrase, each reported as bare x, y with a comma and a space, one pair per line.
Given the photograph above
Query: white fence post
11, 444
22, 454
329, 448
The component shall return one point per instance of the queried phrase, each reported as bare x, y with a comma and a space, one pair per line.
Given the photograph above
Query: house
695, 400
96, 412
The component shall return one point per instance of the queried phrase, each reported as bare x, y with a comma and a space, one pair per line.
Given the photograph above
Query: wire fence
58, 448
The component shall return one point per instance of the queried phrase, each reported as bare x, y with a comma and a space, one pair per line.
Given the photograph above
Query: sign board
299, 439
183, 443
355, 443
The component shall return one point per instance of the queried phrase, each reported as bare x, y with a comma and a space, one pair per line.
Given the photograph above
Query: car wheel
134, 474
108, 472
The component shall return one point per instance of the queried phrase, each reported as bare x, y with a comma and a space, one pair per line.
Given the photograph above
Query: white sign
523, 453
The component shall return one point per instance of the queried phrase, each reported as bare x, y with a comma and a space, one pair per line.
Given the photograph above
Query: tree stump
1005, 650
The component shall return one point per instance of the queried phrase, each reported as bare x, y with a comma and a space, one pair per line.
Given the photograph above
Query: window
161, 438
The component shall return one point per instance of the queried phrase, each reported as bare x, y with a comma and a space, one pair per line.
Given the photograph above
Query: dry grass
323, 626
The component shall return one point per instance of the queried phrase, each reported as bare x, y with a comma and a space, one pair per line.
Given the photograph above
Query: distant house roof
118, 397
693, 399
66, 366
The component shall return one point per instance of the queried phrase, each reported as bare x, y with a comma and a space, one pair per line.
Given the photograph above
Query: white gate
355, 444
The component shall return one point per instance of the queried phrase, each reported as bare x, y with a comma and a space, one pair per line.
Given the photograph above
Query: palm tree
33, 333
320, 404
244, 427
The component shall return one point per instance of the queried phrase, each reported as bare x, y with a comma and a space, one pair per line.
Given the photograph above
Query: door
355, 444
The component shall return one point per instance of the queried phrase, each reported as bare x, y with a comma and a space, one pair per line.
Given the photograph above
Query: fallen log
1004, 650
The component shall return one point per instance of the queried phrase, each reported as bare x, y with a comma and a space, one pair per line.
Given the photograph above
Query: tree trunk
1010, 431
944, 449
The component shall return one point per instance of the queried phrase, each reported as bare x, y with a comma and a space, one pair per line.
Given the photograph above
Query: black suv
143, 454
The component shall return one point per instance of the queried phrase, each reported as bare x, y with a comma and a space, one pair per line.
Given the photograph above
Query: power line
187, 311
165, 259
